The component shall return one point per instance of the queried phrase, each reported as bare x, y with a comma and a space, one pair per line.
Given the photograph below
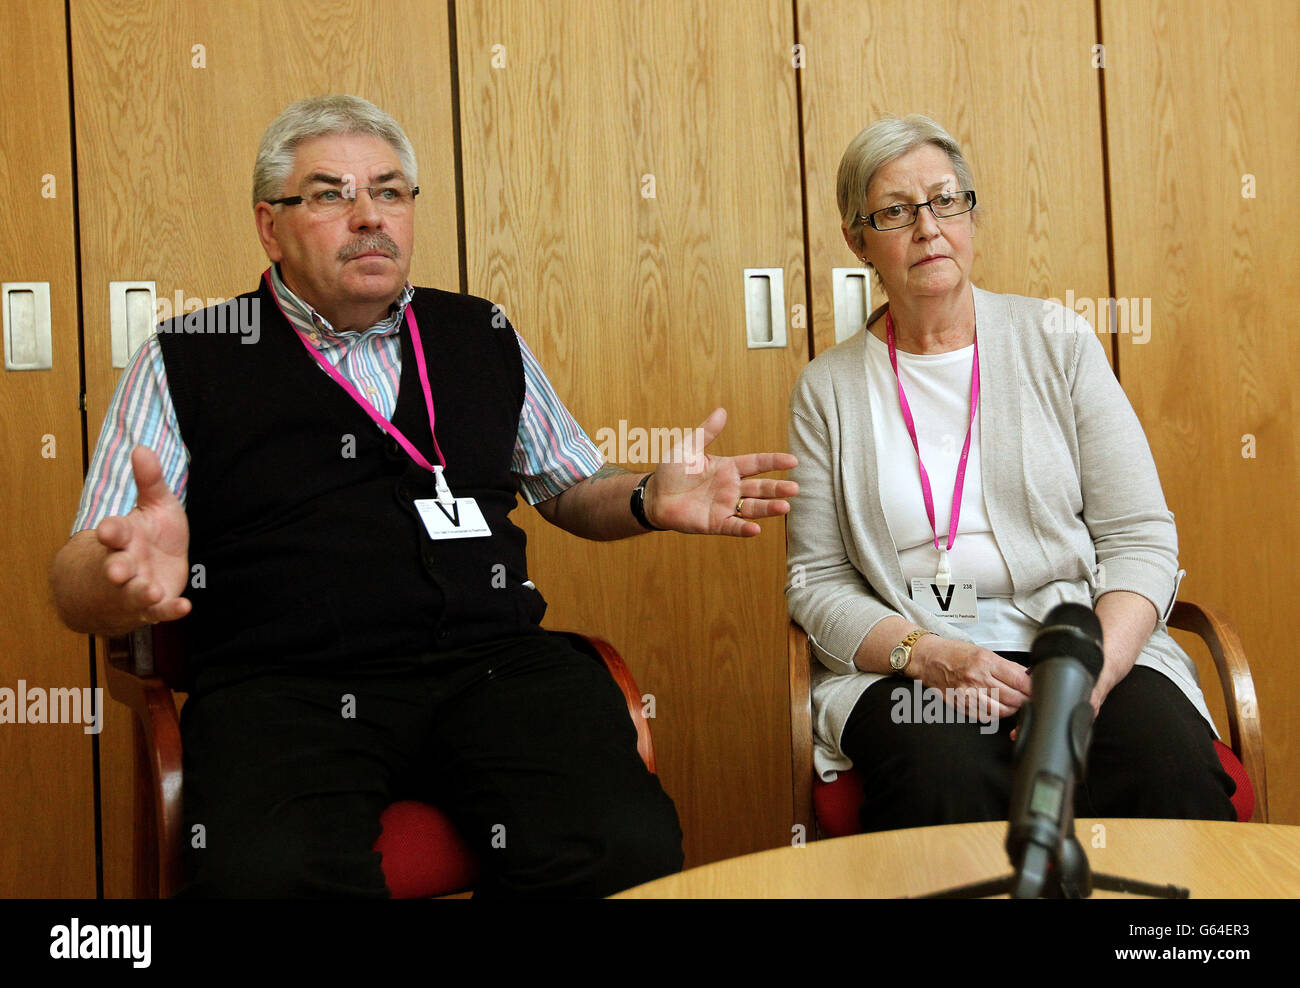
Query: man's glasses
944, 206
389, 199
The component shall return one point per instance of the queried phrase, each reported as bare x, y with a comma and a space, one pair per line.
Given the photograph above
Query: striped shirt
552, 453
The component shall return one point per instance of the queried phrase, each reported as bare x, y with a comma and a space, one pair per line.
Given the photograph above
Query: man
327, 507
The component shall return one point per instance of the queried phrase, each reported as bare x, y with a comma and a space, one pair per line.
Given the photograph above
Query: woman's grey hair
882, 142
315, 117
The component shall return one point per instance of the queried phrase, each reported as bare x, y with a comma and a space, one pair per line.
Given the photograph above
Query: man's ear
264, 216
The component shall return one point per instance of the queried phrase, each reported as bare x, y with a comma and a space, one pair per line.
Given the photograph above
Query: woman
948, 504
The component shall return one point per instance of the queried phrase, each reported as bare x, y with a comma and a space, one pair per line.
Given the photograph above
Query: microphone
1054, 730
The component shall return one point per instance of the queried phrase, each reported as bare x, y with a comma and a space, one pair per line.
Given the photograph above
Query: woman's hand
983, 683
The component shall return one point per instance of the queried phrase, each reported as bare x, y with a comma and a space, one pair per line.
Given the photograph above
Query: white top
938, 393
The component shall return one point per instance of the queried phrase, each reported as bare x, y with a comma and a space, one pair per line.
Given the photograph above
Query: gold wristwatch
902, 652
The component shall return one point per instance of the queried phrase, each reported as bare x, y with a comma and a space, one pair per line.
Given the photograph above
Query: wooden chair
831, 808
423, 854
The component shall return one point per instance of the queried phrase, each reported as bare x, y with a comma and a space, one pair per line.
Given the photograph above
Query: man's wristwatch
902, 652
638, 504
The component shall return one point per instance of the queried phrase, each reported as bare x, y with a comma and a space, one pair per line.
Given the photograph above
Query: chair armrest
1244, 729
607, 654
160, 740
801, 739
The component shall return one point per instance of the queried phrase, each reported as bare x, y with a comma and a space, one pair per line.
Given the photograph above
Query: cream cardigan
1072, 491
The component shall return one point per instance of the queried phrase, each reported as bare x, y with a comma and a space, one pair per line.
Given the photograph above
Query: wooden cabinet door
47, 797
172, 100
624, 163
1014, 83
1202, 121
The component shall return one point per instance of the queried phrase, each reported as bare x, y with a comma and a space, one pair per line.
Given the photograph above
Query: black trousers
524, 742
1152, 755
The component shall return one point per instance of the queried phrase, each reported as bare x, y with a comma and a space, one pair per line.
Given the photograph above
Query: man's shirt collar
312, 324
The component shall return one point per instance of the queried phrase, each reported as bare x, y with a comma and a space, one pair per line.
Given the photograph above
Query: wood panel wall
47, 838
1012, 81
634, 306
1202, 121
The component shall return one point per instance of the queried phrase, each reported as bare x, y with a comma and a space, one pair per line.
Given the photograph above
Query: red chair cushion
1243, 800
423, 854
837, 803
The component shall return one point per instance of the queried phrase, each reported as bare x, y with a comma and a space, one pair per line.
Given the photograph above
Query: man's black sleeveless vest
305, 544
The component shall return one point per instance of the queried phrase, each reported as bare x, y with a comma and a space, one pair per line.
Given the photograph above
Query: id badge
459, 519
956, 603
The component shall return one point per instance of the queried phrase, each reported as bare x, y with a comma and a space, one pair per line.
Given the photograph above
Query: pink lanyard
384, 424
965, 450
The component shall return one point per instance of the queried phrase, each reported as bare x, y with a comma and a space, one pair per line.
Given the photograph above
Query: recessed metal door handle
765, 307
131, 317
851, 291
28, 339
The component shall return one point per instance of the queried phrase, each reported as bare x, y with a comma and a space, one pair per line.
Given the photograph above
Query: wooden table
1212, 859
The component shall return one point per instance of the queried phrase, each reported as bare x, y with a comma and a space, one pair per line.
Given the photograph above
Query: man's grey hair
316, 117
878, 145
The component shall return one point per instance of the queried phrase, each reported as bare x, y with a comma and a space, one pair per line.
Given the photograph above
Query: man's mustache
374, 241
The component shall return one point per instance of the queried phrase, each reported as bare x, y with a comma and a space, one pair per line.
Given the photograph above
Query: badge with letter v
955, 603
459, 518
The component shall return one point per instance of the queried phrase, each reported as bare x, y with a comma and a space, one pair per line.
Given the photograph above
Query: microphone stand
1047, 858
1060, 870
1067, 876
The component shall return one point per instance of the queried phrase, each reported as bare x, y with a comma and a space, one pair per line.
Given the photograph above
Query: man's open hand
148, 549
697, 493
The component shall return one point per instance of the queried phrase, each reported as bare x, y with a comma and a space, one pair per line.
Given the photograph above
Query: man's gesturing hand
697, 493
148, 549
